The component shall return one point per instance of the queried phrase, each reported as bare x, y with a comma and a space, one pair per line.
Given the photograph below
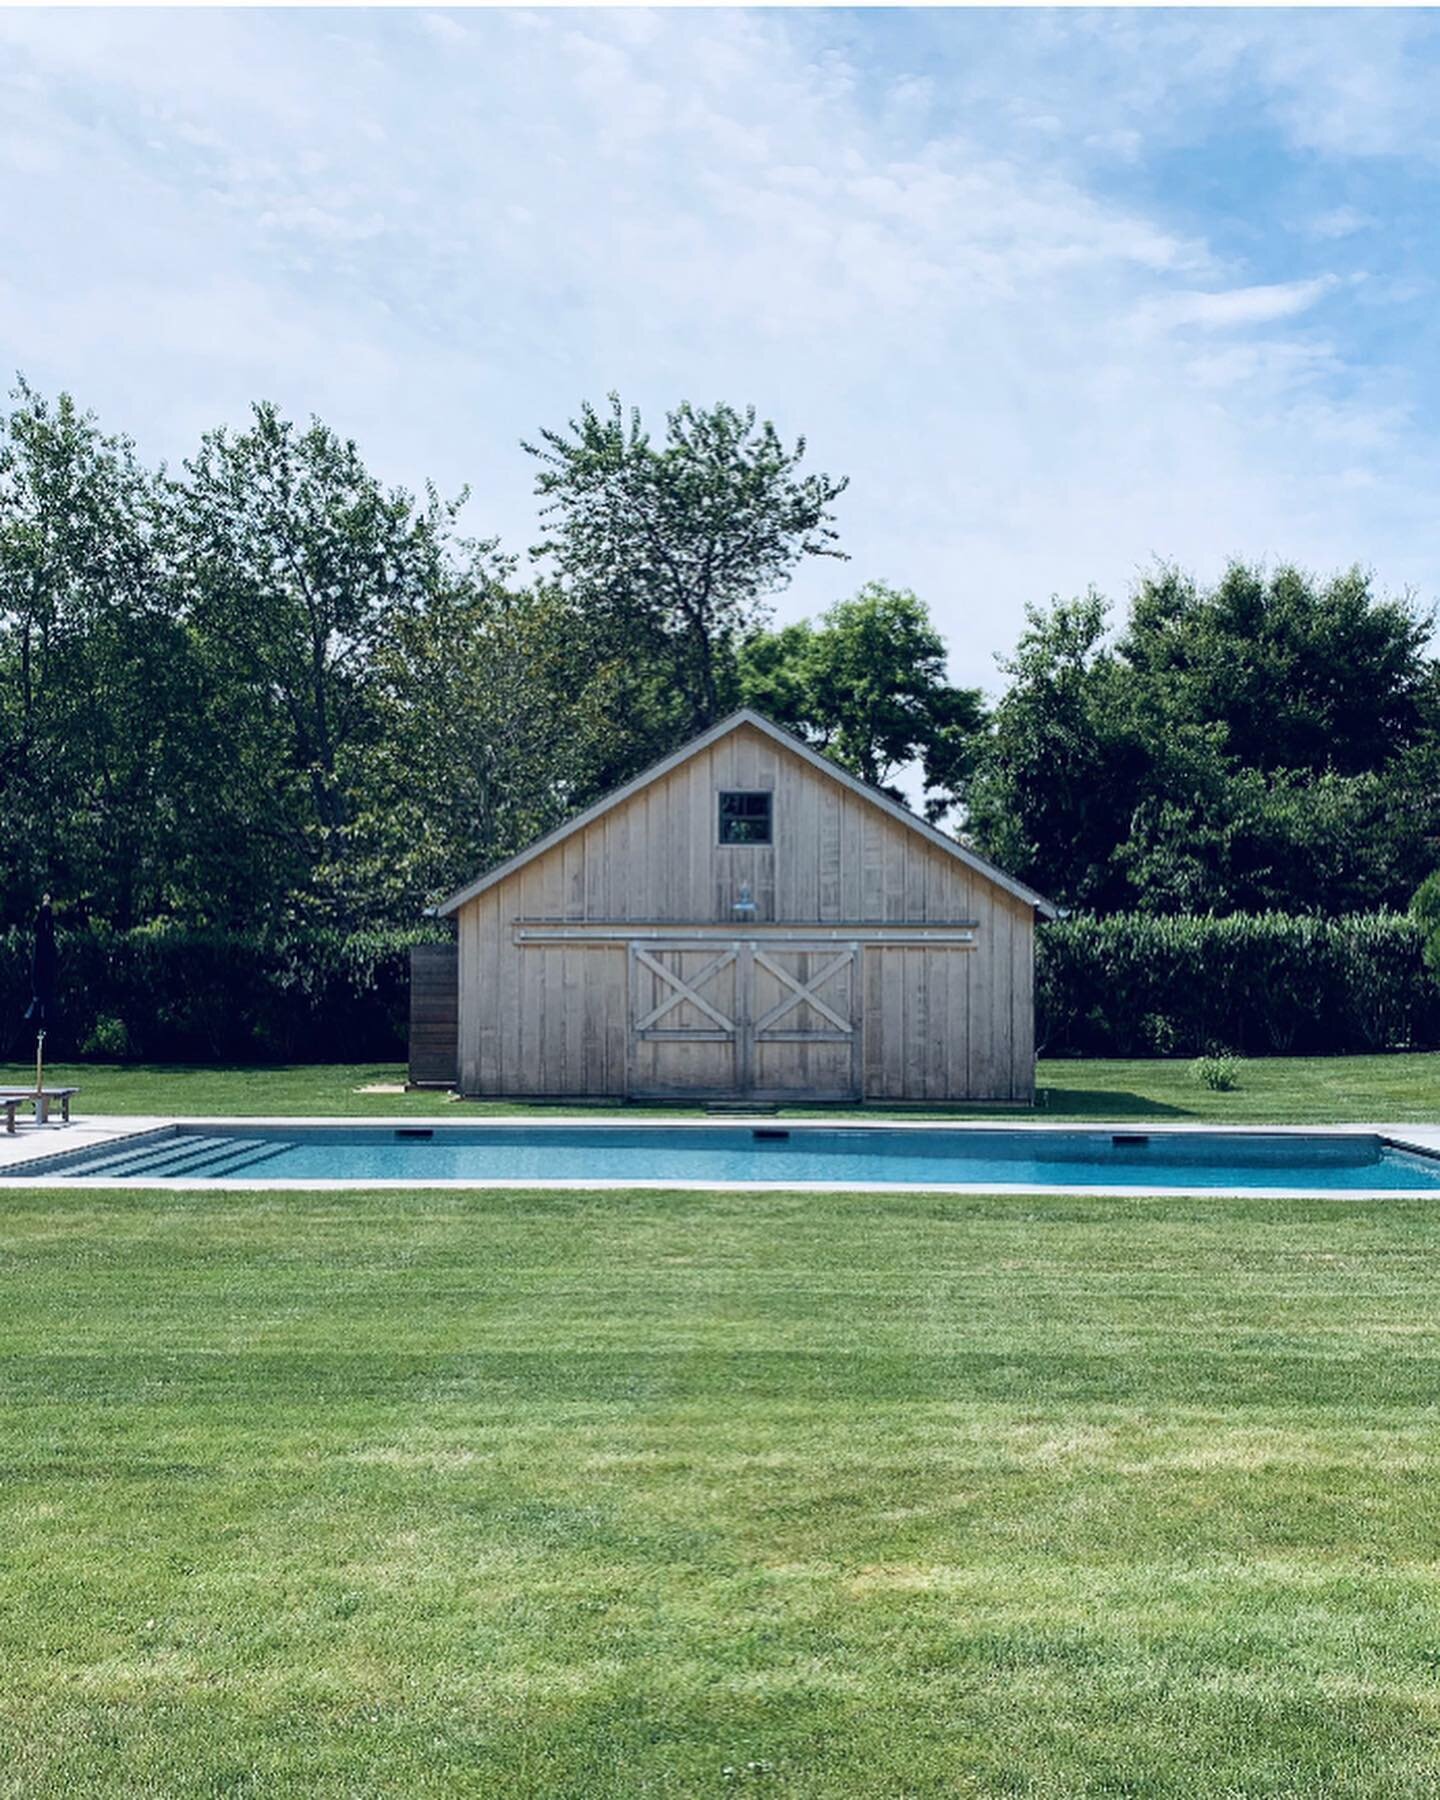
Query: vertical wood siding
938, 1022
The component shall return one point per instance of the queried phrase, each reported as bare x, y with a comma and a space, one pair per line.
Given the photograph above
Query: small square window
745, 817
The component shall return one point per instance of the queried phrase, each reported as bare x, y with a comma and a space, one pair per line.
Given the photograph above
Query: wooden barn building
744, 921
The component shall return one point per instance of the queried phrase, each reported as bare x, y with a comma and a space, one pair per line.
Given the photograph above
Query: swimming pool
790, 1155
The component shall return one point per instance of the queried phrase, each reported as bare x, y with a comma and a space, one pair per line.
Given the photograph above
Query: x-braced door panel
805, 1021
747, 1018
684, 1023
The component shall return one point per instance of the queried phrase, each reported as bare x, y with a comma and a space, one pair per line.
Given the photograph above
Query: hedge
1259, 984
1128, 985
170, 993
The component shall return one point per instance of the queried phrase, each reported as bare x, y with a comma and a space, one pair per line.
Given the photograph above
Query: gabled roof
797, 747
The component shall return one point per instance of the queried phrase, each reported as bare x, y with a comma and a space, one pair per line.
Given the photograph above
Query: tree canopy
674, 551
867, 684
1271, 743
269, 688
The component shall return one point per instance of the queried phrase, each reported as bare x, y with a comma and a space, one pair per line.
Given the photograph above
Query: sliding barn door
748, 1019
804, 1022
684, 1020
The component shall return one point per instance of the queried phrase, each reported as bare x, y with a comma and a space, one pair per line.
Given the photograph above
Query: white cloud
1231, 308
1353, 83
442, 231
1339, 222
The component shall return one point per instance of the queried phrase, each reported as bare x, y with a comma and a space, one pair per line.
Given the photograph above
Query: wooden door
684, 1020
746, 1019
803, 1022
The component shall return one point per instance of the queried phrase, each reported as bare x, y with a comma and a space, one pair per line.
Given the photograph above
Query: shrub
109, 1040
1128, 985
174, 993
1262, 984
1425, 911
1217, 1071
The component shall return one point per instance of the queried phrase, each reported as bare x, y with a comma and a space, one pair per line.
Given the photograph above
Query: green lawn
586, 1496
1275, 1090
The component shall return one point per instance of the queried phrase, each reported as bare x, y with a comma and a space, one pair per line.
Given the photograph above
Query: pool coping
100, 1131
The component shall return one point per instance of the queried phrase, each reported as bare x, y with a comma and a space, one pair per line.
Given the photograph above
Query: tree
1212, 758
296, 565
1303, 674
486, 738
96, 682
674, 550
1058, 776
867, 684
271, 687
1282, 842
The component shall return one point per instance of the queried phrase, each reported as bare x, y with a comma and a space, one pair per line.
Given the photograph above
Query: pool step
143, 1158
246, 1153
211, 1156
173, 1158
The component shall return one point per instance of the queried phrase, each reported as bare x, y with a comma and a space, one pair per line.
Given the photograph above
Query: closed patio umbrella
44, 969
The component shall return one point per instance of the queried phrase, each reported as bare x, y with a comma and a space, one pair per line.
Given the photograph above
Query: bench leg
10, 1120
64, 1109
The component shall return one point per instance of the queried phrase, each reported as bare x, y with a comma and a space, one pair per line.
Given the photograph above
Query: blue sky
1061, 292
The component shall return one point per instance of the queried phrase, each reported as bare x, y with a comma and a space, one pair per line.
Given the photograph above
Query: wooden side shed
747, 920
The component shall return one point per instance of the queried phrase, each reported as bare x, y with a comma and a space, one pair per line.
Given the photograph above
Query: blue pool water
821, 1156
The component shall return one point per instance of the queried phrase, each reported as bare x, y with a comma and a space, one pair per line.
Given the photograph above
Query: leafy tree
486, 737
271, 686
1285, 842
1210, 758
1301, 674
1061, 770
673, 550
295, 566
95, 673
867, 684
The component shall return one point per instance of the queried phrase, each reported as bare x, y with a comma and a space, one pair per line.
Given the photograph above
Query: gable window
745, 816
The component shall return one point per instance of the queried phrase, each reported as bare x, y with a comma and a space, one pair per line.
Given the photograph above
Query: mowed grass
1279, 1090
635, 1494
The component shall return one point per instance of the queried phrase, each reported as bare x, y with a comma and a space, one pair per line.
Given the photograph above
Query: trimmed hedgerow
173, 993
1254, 984
1128, 985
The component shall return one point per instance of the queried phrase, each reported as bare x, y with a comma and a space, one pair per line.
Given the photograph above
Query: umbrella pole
40, 1060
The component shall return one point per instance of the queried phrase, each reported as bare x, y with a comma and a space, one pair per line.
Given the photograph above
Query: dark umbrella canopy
44, 967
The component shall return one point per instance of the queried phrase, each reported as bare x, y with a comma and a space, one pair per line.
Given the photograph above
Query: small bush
1425, 911
1216, 1071
109, 1040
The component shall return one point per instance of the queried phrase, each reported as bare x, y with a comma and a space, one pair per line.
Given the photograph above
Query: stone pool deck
86, 1131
